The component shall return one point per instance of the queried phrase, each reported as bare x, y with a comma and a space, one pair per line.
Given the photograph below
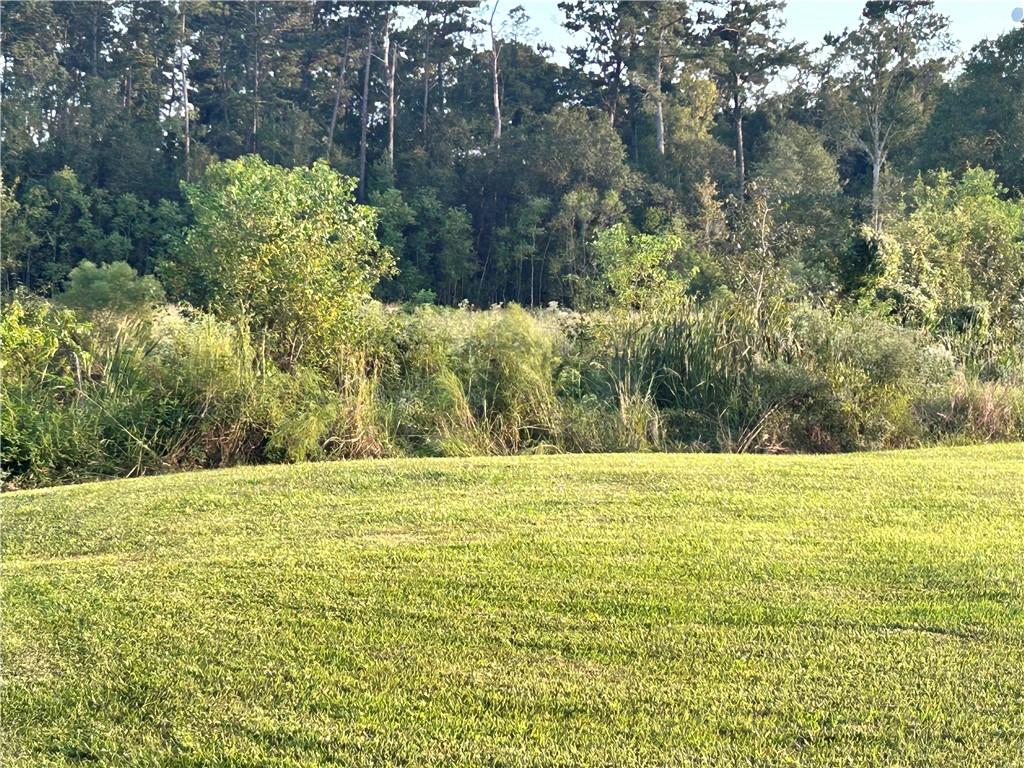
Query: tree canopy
494, 165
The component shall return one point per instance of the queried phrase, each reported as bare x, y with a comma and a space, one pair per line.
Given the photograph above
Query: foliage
42, 362
881, 83
114, 287
184, 389
740, 295
960, 248
979, 117
477, 382
286, 250
57, 223
638, 271
970, 410
875, 374
746, 50
799, 183
180, 391
109, 106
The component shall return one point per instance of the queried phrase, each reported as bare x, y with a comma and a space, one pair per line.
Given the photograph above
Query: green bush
44, 366
286, 250
874, 372
114, 288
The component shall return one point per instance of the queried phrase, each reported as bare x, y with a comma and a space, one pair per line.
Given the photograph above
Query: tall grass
182, 389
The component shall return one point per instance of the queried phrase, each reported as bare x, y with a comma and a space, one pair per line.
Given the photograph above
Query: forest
236, 232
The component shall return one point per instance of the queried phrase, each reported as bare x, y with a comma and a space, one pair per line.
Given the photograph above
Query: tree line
493, 165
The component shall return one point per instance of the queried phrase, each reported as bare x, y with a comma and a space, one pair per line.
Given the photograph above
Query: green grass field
553, 610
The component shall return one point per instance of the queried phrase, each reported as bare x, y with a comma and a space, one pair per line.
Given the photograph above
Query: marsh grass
182, 389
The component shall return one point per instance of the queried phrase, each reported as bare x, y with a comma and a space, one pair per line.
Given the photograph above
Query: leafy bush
637, 271
285, 250
872, 371
114, 288
41, 367
962, 244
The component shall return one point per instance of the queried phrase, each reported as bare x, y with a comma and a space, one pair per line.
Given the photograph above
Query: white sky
810, 20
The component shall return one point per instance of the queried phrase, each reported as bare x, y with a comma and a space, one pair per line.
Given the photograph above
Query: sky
809, 20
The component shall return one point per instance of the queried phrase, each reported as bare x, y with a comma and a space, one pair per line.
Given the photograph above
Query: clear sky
809, 20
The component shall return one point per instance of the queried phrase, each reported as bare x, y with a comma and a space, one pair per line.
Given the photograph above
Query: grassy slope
573, 610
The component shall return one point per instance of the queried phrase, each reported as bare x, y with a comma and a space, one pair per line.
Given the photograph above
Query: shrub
40, 369
962, 244
635, 271
286, 250
114, 288
874, 372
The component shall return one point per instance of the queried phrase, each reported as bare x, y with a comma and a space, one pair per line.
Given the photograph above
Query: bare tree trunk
256, 72
533, 261
184, 97
337, 96
613, 107
391, 60
426, 85
877, 152
365, 116
660, 127
634, 138
95, 41
659, 105
495, 89
876, 191
741, 163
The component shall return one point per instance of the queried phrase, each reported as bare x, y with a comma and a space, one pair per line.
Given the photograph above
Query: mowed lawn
615, 610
